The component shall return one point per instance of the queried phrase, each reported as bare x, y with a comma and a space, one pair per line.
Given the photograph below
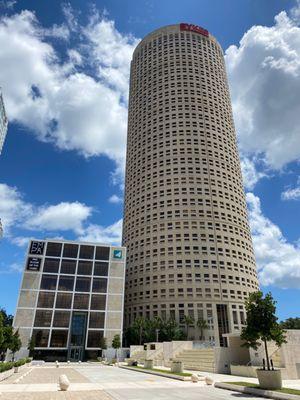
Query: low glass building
71, 297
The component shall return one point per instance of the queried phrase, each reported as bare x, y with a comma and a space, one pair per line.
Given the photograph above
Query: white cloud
292, 193
60, 104
115, 199
109, 234
7, 4
16, 212
264, 75
250, 173
21, 241
111, 53
278, 261
60, 217
13, 208
11, 268
295, 12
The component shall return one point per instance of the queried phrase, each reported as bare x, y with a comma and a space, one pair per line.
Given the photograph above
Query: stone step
198, 359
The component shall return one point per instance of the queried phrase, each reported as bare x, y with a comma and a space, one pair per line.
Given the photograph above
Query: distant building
71, 296
3, 123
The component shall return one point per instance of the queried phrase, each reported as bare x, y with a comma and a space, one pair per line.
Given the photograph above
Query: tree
139, 325
188, 321
131, 336
31, 345
291, 323
102, 345
144, 330
7, 333
7, 318
202, 325
116, 343
261, 324
1, 330
15, 344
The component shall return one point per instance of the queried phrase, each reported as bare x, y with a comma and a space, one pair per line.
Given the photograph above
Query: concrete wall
243, 370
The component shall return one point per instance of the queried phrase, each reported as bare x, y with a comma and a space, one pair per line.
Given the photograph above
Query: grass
162, 371
256, 386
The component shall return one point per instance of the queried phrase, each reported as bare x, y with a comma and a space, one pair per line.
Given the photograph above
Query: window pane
101, 268
63, 300
53, 249
66, 283
81, 301
102, 253
46, 300
94, 338
86, 252
70, 250
68, 267
48, 282
85, 268
61, 319
96, 320
59, 338
42, 318
83, 284
98, 302
99, 285
40, 337
51, 265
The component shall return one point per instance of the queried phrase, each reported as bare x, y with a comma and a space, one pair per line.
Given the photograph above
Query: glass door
77, 339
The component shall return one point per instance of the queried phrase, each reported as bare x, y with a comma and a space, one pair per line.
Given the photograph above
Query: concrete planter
18, 369
270, 380
6, 374
148, 364
177, 366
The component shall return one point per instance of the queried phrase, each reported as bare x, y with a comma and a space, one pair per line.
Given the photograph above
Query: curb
258, 392
151, 372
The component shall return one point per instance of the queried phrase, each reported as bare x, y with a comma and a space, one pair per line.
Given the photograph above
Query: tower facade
189, 247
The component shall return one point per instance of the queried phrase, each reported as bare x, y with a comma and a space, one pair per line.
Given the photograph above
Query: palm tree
189, 321
139, 325
202, 325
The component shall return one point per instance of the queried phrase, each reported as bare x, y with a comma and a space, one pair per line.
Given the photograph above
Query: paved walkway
122, 384
99, 382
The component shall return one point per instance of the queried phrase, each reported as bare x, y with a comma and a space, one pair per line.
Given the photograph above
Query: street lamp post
157, 333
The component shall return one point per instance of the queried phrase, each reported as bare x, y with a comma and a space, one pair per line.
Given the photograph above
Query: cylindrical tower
189, 247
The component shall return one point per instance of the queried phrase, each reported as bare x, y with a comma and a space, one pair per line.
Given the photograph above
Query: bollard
208, 380
63, 382
194, 378
57, 364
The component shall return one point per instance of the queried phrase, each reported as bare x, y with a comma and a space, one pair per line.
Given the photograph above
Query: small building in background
3, 122
71, 297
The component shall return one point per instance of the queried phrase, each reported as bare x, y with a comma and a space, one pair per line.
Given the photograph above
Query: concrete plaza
98, 382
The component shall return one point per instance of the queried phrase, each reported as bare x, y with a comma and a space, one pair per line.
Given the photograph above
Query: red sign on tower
194, 28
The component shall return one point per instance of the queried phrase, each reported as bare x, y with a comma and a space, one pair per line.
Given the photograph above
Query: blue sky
64, 69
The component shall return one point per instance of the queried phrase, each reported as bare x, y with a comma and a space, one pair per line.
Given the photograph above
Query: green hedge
5, 366
20, 362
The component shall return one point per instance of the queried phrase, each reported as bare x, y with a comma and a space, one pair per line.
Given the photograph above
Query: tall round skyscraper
189, 247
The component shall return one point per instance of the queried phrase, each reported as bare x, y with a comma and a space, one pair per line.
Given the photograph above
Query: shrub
5, 366
20, 362
28, 359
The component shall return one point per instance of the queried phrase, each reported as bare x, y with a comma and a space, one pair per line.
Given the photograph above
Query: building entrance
77, 339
